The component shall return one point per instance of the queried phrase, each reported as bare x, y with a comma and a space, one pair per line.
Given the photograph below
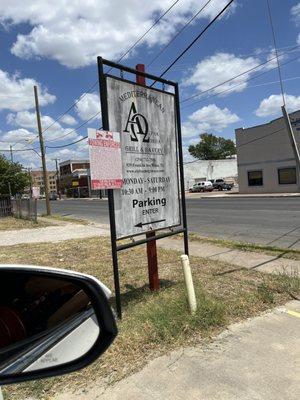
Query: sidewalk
241, 259
254, 360
51, 234
234, 194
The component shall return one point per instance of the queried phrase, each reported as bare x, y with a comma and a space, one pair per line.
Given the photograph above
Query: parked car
53, 196
205, 186
220, 184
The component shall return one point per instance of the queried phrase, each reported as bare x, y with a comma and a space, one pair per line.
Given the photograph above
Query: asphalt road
272, 221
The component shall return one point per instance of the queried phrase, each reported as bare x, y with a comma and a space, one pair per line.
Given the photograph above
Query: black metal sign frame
105, 123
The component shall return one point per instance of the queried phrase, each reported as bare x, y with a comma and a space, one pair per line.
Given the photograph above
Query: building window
287, 176
255, 178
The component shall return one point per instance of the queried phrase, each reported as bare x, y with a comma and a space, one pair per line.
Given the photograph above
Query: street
271, 221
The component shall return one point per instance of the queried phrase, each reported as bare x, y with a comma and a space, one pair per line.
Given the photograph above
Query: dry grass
10, 223
153, 323
62, 218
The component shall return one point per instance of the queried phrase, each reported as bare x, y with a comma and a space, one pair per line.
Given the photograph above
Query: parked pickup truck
220, 184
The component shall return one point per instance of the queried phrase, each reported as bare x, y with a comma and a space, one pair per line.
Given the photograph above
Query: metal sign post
151, 201
151, 246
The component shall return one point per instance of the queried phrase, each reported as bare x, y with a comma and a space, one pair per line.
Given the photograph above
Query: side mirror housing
52, 322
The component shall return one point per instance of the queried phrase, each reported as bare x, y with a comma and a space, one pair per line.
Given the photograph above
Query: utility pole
57, 176
11, 153
39, 124
294, 144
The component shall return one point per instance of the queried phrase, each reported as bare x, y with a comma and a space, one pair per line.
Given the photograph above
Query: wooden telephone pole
40, 131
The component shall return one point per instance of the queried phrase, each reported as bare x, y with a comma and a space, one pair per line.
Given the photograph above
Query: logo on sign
137, 125
104, 135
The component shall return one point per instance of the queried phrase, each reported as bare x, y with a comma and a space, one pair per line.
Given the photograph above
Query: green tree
212, 147
12, 174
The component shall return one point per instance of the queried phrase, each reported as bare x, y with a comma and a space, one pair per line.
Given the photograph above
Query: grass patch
154, 323
11, 223
252, 247
62, 218
265, 293
166, 314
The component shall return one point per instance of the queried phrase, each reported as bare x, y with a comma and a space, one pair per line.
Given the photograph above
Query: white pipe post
189, 283
1, 395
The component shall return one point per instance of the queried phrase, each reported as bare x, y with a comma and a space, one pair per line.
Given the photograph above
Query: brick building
38, 181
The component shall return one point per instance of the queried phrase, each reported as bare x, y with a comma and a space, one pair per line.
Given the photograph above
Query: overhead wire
237, 76
121, 58
96, 83
177, 34
68, 144
75, 129
196, 38
235, 86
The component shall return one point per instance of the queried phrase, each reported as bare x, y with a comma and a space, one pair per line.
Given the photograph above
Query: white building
266, 161
199, 170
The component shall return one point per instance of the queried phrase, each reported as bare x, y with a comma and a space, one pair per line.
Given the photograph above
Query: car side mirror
52, 322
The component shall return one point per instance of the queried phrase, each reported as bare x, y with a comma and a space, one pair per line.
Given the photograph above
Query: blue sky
54, 44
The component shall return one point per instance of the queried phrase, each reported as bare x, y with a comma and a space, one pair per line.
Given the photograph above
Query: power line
121, 58
177, 34
75, 129
196, 38
239, 75
235, 86
66, 145
177, 58
72, 106
145, 34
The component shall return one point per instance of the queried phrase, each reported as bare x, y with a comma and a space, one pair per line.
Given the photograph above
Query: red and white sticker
105, 159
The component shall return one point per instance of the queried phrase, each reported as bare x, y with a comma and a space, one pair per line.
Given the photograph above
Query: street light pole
11, 153
45, 176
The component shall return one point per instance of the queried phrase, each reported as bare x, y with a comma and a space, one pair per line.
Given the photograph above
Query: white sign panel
36, 192
105, 159
146, 119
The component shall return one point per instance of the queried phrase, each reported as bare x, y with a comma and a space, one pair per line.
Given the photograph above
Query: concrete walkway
255, 360
241, 259
51, 234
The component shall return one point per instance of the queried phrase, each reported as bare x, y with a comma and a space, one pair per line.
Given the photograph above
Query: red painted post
151, 246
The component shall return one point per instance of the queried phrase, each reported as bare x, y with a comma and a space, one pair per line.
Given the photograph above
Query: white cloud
75, 33
218, 68
295, 12
88, 106
271, 105
68, 120
222, 67
16, 94
19, 134
208, 118
27, 119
